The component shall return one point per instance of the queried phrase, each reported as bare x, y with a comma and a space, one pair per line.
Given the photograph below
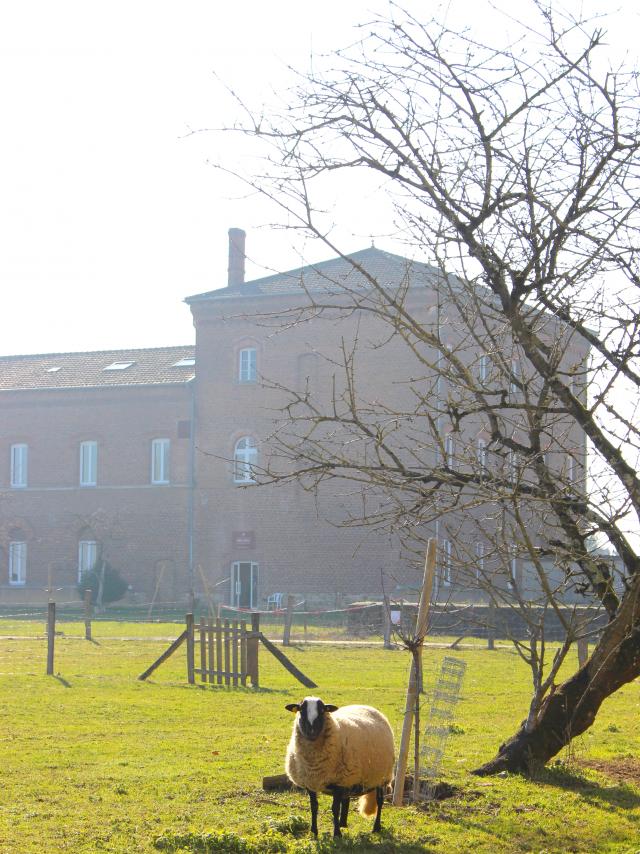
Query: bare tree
515, 168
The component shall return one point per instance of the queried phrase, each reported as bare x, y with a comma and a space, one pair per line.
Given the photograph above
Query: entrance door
244, 584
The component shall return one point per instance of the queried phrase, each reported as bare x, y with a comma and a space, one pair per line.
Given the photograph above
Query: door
244, 584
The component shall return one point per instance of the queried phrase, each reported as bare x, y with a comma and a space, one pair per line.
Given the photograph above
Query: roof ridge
164, 349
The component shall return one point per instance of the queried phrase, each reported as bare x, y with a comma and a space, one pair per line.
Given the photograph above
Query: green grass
94, 761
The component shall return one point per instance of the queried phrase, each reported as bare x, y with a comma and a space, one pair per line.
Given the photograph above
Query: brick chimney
236, 256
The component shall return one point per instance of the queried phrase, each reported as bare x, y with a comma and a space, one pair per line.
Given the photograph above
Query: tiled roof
153, 366
331, 277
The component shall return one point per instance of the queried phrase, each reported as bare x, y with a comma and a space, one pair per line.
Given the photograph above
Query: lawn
95, 761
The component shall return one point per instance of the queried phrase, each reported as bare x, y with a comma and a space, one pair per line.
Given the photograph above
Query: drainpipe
191, 493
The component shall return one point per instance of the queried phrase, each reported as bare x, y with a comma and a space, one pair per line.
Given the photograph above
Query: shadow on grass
62, 681
621, 795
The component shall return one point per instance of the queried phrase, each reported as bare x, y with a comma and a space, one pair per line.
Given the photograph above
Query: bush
114, 585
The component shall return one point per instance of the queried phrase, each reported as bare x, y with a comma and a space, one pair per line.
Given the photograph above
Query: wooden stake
190, 650
288, 618
87, 614
51, 634
414, 674
252, 651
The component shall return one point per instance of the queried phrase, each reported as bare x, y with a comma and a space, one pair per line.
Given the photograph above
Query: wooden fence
224, 650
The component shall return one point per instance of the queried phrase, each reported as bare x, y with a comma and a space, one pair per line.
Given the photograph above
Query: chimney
236, 256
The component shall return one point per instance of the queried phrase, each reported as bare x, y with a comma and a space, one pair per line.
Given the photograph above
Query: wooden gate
225, 650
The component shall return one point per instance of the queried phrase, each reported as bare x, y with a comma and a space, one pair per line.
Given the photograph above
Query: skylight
118, 366
185, 363
53, 370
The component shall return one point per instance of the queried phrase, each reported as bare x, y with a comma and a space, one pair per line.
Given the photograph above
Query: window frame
447, 580
18, 547
88, 463
19, 465
160, 461
244, 459
83, 564
247, 373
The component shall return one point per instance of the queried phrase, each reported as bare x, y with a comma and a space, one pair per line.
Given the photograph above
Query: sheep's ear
292, 707
329, 708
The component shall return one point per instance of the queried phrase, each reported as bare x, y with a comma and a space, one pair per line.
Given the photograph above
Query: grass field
94, 761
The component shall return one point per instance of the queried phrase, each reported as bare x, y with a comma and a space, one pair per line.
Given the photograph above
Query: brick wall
139, 525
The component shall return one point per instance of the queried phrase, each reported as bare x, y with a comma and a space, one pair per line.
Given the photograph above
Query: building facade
148, 458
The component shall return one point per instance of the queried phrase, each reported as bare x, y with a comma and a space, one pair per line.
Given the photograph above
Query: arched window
248, 365
245, 457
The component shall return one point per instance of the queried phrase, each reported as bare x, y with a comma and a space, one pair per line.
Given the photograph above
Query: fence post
252, 651
386, 612
491, 626
190, 650
288, 617
51, 634
87, 614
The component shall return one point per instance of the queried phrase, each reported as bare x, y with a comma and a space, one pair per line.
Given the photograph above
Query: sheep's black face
312, 716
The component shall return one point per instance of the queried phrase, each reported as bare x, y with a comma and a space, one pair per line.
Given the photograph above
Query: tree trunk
571, 708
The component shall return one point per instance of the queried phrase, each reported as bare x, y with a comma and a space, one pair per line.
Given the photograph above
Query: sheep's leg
313, 800
377, 827
336, 808
344, 811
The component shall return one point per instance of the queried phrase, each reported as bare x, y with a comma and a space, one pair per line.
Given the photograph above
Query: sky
110, 210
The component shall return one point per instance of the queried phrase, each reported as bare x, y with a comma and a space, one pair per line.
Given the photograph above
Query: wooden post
288, 618
165, 655
243, 653
210, 650
190, 650
51, 634
227, 653
219, 651
234, 652
50, 582
306, 622
203, 649
414, 674
88, 610
387, 624
491, 625
252, 651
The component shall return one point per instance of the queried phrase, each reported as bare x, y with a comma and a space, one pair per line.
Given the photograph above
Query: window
446, 569
160, 460
187, 362
17, 563
245, 457
479, 561
19, 454
87, 556
450, 451
248, 365
483, 368
513, 567
88, 463
481, 456
514, 385
118, 366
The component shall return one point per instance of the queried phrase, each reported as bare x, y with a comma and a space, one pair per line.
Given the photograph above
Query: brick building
95, 461
144, 457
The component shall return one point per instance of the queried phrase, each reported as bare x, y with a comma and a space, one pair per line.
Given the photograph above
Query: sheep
343, 752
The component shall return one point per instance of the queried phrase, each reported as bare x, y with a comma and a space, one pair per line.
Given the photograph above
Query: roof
331, 277
98, 369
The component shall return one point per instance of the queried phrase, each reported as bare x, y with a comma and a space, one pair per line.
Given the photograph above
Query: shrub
114, 585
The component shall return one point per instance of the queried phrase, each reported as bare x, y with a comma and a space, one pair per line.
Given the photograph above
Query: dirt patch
622, 769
